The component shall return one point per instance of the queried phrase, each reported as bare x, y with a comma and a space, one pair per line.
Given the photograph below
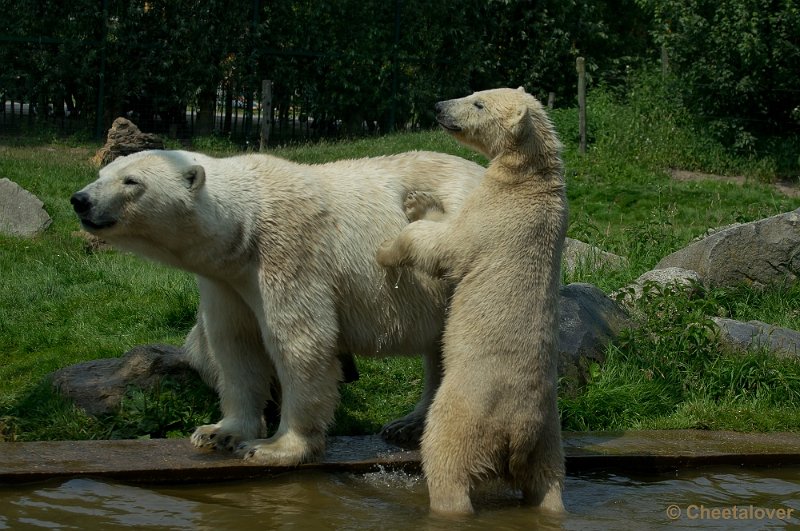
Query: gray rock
674, 277
578, 254
589, 320
98, 386
21, 213
759, 253
781, 342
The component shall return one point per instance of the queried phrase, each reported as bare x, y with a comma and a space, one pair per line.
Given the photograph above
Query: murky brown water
768, 498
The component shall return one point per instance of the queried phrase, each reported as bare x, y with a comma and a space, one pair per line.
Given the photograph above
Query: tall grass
60, 304
672, 372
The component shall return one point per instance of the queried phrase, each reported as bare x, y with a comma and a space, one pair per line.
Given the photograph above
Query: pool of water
725, 498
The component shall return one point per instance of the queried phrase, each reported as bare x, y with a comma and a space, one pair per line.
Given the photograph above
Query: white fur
284, 259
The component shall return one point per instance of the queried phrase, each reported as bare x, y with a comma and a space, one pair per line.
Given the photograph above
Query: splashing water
390, 479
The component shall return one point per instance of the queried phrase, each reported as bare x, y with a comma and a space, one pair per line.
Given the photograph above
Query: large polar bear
496, 412
284, 255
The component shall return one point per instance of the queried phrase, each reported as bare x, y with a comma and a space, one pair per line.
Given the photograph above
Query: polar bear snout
444, 118
87, 212
81, 202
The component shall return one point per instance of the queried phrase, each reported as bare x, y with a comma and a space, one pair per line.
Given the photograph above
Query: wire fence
238, 111
238, 115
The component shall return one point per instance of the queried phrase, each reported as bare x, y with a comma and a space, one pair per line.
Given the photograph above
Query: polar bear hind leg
544, 480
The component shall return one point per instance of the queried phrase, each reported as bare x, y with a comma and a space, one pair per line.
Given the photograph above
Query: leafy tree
166, 54
534, 43
48, 53
735, 62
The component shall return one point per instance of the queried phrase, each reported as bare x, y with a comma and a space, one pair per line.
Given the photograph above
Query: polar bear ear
520, 114
521, 89
194, 177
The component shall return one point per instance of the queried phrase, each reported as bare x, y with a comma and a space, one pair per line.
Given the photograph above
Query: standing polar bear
496, 412
284, 259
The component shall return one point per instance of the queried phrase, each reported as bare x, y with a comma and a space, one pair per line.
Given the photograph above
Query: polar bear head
134, 192
499, 121
144, 202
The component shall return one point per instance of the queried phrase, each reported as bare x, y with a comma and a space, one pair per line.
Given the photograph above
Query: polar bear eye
478, 104
130, 181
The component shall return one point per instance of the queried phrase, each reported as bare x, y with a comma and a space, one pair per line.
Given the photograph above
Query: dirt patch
787, 188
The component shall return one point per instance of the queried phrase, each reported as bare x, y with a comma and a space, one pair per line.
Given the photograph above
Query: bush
735, 63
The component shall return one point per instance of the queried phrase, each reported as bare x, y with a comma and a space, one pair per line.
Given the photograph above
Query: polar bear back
333, 217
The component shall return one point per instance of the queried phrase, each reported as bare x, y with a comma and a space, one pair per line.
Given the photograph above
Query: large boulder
123, 139
98, 386
758, 253
588, 321
738, 335
22, 214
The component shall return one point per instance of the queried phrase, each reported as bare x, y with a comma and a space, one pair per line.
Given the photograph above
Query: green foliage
172, 409
40, 414
49, 53
735, 63
622, 199
386, 389
537, 47
776, 305
344, 63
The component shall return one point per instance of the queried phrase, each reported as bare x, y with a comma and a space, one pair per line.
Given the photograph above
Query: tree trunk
206, 112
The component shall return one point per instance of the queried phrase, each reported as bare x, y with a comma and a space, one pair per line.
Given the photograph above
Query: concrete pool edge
175, 461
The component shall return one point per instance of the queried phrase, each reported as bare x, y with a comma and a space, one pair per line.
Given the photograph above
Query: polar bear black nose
438, 107
81, 202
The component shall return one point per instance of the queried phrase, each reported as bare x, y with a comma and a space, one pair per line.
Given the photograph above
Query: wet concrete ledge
175, 461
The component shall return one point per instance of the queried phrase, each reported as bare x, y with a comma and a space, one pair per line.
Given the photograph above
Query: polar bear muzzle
444, 118
84, 208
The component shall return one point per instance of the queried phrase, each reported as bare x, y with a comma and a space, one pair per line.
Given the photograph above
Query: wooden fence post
551, 100
266, 113
581, 67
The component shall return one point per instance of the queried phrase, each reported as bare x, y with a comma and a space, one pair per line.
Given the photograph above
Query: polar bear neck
515, 166
533, 156
222, 241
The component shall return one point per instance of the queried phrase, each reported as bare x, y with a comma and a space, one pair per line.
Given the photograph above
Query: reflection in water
396, 500
83, 503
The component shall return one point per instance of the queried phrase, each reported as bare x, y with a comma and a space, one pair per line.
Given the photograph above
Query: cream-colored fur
284, 259
496, 412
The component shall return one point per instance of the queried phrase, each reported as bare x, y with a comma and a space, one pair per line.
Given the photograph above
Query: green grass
671, 372
60, 305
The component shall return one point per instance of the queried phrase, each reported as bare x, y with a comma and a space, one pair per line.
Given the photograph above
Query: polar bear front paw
387, 256
286, 450
422, 205
214, 437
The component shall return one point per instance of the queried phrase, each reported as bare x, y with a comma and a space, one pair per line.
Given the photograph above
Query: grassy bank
60, 305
